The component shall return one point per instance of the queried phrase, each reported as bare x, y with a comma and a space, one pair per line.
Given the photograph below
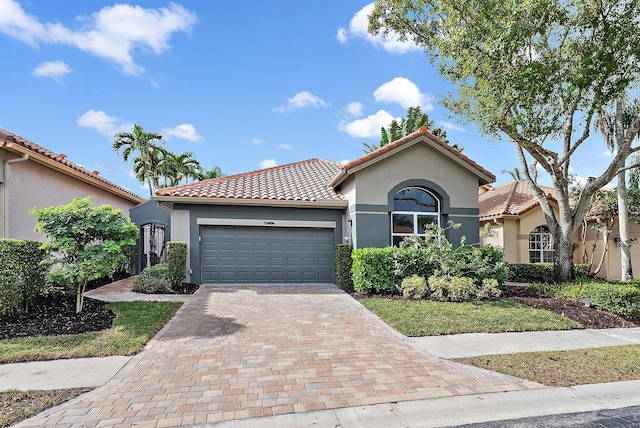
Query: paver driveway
246, 351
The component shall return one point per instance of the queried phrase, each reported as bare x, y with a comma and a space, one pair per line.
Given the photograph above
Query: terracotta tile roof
10, 141
300, 181
513, 198
422, 131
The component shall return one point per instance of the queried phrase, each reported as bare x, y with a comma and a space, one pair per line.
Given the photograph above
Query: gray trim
384, 209
265, 223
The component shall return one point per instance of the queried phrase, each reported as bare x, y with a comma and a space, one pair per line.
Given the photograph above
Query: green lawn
134, 325
566, 368
430, 318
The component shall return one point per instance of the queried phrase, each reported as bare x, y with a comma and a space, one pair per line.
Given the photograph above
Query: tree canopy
85, 242
535, 72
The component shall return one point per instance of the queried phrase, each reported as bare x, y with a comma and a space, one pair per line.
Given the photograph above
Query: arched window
413, 208
540, 245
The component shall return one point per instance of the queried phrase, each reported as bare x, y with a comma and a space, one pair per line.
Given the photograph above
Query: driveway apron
234, 352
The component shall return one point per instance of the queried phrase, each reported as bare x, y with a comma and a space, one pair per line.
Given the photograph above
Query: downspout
24, 158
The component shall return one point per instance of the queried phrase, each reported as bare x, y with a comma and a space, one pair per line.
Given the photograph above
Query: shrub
622, 299
22, 274
381, 270
539, 272
343, 263
153, 279
414, 287
176, 262
462, 289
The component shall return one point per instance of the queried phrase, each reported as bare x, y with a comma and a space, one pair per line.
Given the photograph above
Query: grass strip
430, 318
16, 405
566, 368
134, 325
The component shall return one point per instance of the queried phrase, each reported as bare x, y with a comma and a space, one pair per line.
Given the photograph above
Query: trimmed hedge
539, 272
381, 270
343, 263
176, 262
22, 274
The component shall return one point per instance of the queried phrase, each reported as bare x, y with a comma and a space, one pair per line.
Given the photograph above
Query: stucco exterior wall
611, 267
418, 165
30, 184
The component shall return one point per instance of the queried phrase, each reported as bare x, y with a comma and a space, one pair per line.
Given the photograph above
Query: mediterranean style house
31, 176
518, 225
282, 224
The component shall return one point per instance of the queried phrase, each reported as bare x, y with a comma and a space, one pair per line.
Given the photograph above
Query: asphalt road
626, 417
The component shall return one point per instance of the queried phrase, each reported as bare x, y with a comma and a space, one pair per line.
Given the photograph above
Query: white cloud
54, 69
103, 123
452, 127
404, 92
113, 33
358, 27
344, 161
257, 141
285, 146
608, 153
302, 100
185, 131
267, 163
369, 126
354, 109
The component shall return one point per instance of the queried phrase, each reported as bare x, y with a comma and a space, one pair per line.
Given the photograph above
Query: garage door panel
265, 254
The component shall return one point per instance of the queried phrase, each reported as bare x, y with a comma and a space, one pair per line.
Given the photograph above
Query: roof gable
59, 162
304, 181
421, 135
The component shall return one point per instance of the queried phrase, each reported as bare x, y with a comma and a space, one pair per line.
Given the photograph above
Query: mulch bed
56, 315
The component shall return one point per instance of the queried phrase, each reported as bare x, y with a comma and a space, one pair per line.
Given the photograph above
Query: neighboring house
282, 224
31, 176
518, 225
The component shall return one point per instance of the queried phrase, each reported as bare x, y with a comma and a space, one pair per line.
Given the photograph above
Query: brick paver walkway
247, 351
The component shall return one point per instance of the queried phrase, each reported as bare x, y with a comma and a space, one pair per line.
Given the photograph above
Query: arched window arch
540, 245
413, 208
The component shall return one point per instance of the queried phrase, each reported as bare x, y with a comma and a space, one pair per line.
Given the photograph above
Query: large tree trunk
623, 227
563, 270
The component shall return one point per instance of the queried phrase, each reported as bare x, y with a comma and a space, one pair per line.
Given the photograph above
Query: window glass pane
403, 223
397, 240
424, 220
413, 199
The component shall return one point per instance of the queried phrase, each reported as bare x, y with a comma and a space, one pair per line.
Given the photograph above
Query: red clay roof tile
300, 181
514, 198
61, 158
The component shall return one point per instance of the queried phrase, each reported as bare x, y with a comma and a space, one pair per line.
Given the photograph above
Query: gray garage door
266, 254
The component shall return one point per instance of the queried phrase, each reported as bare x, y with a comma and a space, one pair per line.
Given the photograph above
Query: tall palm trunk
623, 228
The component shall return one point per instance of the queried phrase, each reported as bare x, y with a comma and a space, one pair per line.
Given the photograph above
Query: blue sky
244, 84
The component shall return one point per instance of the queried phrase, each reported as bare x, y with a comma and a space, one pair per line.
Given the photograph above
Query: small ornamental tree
86, 242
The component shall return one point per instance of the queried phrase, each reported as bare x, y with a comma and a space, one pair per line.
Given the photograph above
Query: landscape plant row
452, 272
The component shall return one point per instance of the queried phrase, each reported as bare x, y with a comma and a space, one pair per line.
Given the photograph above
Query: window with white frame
413, 209
540, 245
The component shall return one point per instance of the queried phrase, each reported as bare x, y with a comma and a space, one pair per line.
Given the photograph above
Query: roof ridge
59, 158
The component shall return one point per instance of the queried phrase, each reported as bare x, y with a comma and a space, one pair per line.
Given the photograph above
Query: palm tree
178, 167
614, 125
397, 129
515, 173
144, 144
214, 172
